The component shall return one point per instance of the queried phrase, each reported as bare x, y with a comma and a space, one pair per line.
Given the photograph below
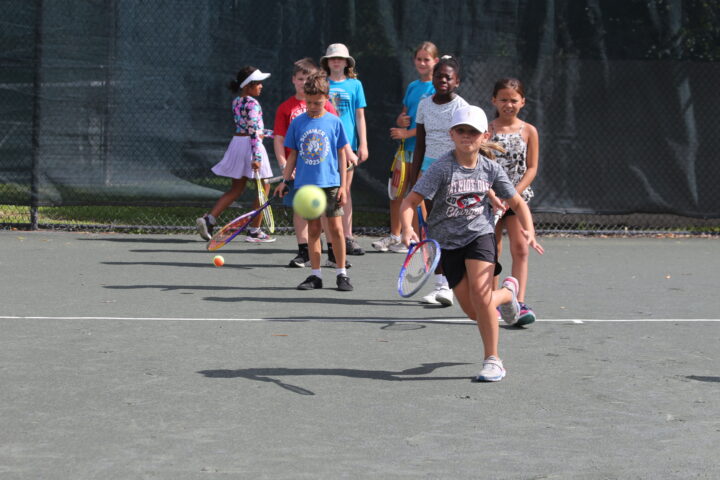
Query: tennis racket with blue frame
420, 263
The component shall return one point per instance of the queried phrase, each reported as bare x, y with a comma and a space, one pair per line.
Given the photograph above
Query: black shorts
482, 248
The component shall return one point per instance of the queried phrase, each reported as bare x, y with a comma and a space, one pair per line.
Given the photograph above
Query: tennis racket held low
420, 263
235, 227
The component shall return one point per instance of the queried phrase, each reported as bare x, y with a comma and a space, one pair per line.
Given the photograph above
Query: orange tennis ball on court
218, 260
309, 202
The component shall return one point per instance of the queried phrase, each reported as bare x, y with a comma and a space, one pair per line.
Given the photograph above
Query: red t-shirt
286, 113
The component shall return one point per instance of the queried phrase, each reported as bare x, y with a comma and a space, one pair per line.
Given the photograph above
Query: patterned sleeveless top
514, 160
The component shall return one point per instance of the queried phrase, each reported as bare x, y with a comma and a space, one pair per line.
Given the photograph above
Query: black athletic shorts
482, 248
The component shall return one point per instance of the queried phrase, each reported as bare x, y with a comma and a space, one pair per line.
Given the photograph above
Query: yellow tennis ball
218, 260
310, 202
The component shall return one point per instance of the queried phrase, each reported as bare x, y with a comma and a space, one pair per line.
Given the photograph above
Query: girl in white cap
462, 223
245, 155
348, 98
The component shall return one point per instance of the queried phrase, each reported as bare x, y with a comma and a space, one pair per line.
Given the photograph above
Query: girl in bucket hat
348, 98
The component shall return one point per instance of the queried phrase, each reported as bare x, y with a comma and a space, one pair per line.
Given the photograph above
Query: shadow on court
704, 379
267, 374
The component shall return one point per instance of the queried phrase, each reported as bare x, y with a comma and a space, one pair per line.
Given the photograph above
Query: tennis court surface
128, 356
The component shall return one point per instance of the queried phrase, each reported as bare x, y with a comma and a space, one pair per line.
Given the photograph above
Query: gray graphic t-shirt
461, 209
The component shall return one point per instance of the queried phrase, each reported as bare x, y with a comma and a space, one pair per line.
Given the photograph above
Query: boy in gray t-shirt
461, 222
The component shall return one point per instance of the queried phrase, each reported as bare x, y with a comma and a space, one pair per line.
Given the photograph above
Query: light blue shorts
427, 161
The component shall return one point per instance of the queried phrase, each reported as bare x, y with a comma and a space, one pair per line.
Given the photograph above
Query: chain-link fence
113, 111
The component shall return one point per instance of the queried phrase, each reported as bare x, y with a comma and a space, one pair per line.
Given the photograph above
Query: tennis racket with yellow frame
397, 180
262, 199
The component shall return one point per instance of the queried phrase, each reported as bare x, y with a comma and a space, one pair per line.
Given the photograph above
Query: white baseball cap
338, 50
256, 76
472, 116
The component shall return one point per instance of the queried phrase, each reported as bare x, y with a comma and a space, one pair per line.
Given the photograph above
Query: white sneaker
383, 244
398, 247
204, 227
492, 370
259, 237
511, 310
441, 295
444, 295
430, 298
389, 244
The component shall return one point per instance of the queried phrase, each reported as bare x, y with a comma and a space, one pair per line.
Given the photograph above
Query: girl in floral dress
245, 155
520, 162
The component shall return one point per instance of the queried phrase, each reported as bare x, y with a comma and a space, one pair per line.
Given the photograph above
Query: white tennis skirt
237, 162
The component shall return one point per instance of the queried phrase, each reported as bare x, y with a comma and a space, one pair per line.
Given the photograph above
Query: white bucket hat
472, 116
256, 76
338, 50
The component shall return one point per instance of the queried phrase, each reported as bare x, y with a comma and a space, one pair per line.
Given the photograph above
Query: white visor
256, 76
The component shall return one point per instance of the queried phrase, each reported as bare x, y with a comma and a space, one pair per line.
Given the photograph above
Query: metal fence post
37, 80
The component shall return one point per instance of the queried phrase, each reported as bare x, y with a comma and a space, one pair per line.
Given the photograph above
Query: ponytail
488, 149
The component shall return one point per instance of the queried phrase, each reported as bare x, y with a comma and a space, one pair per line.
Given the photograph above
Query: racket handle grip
497, 216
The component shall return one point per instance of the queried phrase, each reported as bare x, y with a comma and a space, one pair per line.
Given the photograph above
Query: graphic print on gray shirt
461, 209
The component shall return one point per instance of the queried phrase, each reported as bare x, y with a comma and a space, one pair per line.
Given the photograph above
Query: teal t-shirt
347, 96
415, 92
317, 141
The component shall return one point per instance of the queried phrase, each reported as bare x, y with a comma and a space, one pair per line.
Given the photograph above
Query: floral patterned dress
246, 146
514, 160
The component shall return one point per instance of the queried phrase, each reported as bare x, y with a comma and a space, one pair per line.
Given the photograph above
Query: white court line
419, 320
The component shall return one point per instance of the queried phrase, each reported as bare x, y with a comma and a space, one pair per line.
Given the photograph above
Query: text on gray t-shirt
461, 209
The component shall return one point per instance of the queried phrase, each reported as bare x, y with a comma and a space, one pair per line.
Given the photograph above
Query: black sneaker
299, 261
343, 283
331, 263
311, 283
352, 247
204, 227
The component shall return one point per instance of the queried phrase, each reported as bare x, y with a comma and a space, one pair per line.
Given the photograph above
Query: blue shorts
427, 161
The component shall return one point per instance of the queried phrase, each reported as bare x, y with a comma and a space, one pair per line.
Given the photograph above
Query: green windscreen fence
112, 112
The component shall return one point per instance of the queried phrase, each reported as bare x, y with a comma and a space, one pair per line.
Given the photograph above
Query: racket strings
268, 217
419, 266
228, 232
